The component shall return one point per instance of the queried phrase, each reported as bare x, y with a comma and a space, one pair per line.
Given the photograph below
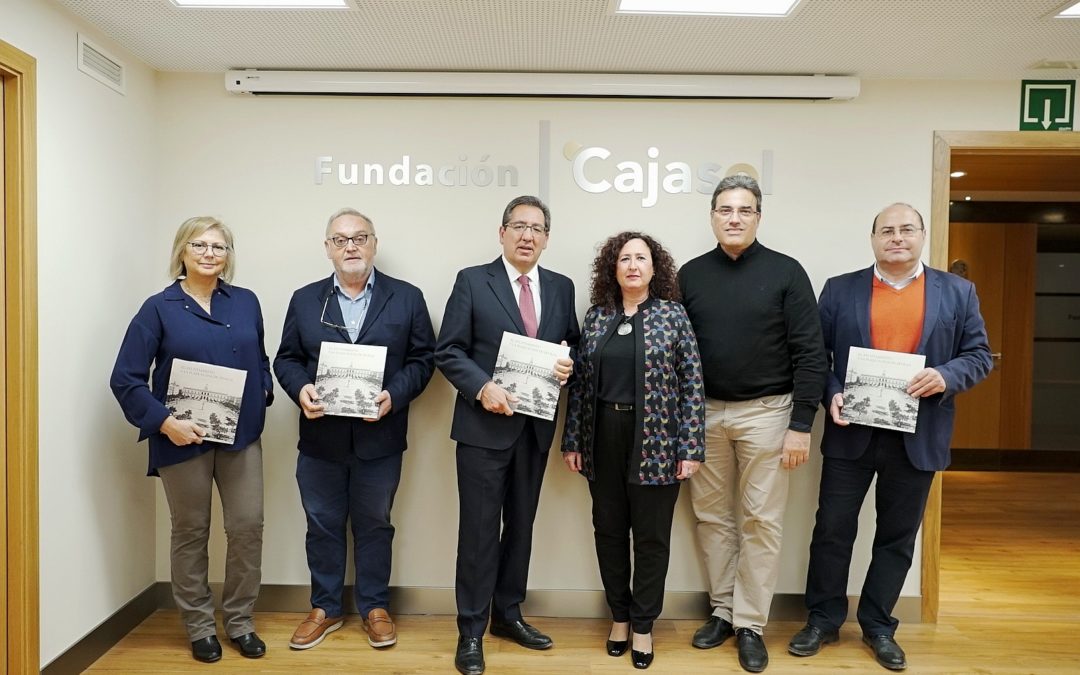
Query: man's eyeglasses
340, 241
322, 317
906, 231
745, 213
518, 227
199, 248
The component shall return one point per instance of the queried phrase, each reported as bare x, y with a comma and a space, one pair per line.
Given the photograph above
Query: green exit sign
1047, 105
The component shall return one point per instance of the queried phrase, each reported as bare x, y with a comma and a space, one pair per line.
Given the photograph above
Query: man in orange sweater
898, 305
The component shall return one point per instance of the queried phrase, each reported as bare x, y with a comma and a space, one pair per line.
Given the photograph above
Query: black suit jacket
398, 319
481, 307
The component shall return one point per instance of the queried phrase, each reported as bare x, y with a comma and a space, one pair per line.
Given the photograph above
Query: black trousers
900, 500
619, 508
498, 491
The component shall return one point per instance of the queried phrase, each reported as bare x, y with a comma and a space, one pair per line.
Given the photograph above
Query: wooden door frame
19, 395
974, 142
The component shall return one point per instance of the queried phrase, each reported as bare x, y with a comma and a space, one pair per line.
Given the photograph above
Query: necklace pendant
624, 328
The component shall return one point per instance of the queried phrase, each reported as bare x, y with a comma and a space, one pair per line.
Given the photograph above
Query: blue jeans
362, 492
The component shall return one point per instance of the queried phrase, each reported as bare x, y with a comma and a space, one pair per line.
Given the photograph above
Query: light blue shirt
354, 310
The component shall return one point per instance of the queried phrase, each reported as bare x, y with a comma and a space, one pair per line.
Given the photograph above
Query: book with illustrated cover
208, 395
525, 368
349, 377
875, 389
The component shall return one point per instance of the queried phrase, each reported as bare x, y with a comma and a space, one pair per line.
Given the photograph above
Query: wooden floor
1010, 603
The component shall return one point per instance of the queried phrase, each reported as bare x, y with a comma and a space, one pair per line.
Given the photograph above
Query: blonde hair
192, 228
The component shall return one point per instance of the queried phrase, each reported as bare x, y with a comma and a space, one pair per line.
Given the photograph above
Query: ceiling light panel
1071, 12
707, 7
263, 4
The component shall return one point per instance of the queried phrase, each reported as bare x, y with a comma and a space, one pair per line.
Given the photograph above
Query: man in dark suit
349, 467
896, 305
500, 456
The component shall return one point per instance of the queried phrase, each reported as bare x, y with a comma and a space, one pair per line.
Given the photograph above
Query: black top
616, 383
757, 327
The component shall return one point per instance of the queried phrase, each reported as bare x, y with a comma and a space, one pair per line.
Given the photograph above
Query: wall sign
1047, 105
641, 172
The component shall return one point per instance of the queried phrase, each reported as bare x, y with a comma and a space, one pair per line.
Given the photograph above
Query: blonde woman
201, 317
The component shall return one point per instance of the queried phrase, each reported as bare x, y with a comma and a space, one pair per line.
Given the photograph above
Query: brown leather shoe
380, 628
313, 629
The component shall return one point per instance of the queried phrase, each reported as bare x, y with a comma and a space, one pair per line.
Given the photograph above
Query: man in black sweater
758, 330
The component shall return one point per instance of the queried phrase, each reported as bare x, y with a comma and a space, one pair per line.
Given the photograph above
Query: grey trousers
188, 489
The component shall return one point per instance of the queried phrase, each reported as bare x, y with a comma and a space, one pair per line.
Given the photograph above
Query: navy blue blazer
170, 325
480, 308
953, 340
398, 319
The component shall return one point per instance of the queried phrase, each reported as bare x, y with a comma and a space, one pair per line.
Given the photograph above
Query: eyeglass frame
333, 292
213, 248
886, 233
368, 236
744, 212
518, 227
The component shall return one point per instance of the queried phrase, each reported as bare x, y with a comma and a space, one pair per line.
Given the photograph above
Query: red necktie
528, 309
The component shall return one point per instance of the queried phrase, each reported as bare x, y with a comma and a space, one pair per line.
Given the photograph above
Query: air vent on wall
100, 65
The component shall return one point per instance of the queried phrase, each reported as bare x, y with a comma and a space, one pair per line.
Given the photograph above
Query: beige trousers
739, 496
188, 489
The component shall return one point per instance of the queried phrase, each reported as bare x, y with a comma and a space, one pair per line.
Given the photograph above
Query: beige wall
251, 161
95, 199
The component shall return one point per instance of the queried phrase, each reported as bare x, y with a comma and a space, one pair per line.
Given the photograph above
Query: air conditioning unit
575, 85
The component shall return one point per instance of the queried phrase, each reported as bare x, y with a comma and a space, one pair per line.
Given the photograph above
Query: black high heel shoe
641, 660
617, 647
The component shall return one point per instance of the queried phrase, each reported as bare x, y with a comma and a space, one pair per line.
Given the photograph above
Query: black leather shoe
713, 633
886, 651
207, 649
808, 641
617, 647
522, 633
641, 660
469, 659
753, 656
250, 645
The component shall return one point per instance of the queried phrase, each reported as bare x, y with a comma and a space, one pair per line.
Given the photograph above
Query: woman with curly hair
635, 427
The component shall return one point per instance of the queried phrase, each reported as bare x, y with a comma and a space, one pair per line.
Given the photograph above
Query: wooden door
19, 625
3, 425
999, 258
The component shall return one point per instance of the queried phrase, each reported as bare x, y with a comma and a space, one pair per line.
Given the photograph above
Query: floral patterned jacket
670, 406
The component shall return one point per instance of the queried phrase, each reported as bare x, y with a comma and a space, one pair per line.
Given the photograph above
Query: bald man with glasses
348, 468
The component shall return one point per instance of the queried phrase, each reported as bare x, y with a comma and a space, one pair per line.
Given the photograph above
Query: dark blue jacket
953, 340
397, 319
170, 325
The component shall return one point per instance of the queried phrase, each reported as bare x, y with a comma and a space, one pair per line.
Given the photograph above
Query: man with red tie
500, 456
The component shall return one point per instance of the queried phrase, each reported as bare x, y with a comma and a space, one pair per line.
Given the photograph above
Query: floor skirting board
540, 602
94, 644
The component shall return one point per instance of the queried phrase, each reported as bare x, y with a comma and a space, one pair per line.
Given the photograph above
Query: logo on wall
652, 177
405, 172
594, 169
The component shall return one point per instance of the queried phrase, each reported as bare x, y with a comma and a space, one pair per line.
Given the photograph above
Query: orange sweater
896, 316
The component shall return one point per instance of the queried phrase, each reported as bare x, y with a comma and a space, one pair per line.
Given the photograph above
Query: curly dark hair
604, 288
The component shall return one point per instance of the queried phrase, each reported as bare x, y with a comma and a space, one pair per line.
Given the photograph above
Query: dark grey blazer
481, 307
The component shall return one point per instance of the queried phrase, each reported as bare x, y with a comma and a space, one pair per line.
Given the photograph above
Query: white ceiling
950, 39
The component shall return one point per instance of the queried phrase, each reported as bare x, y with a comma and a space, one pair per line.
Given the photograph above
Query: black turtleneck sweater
757, 327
